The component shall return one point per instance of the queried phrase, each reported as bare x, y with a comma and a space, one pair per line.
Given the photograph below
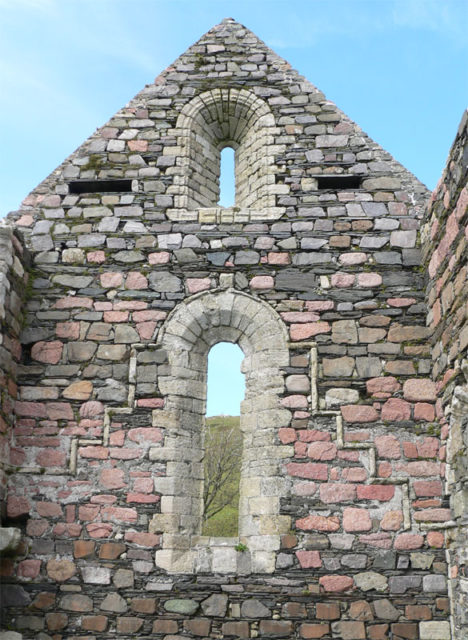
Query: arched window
189, 333
209, 123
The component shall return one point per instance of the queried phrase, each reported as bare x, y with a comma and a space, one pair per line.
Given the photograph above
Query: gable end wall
349, 511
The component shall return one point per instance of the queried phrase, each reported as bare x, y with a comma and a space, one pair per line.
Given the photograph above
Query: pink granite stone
322, 451
388, 447
408, 541
262, 282
342, 280
319, 523
356, 519
194, 285
310, 470
336, 583
369, 279
47, 352
309, 559
420, 390
359, 413
111, 279
138, 145
136, 280
307, 330
396, 410
354, 257
335, 492
162, 257
146, 330
300, 316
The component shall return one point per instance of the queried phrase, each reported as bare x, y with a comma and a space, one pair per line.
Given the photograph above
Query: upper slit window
227, 179
208, 174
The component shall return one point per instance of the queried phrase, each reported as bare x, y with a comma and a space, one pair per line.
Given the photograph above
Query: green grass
225, 522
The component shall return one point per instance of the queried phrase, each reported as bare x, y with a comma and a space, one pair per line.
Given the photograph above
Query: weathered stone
184, 606
338, 367
253, 608
309, 559
361, 610
78, 390
114, 602
215, 605
96, 575
401, 584
123, 578
336, 583
47, 352
419, 390
354, 560
339, 396
370, 580
355, 519
385, 610
81, 351
129, 257
434, 630
60, 570
344, 331
164, 281
76, 602
10, 539
73, 282
13, 595
436, 583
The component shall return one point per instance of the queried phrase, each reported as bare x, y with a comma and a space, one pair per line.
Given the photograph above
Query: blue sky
397, 67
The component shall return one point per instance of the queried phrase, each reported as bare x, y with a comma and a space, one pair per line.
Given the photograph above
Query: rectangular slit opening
100, 186
339, 182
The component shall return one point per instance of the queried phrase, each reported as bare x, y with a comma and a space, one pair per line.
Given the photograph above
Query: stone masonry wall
13, 283
342, 483
446, 236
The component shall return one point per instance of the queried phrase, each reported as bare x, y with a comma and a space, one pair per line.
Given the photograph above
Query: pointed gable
160, 154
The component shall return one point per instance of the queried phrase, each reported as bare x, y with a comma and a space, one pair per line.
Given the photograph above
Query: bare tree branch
223, 453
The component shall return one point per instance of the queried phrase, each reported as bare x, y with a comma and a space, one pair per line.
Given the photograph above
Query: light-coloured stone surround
210, 122
189, 333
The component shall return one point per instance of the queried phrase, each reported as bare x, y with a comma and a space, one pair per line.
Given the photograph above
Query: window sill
214, 555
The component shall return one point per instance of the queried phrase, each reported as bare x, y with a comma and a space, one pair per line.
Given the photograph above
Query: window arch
191, 330
210, 122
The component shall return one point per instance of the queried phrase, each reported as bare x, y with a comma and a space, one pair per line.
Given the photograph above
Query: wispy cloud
47, 6
442, 16
358, 18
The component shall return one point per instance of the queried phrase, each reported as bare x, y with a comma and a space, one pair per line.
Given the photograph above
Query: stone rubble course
342, 280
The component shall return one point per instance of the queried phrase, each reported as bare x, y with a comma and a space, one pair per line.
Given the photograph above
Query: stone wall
319, 281
13, 284
446, 236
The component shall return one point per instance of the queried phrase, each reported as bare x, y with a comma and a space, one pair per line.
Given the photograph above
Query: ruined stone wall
13, 284
319, 281
446, 235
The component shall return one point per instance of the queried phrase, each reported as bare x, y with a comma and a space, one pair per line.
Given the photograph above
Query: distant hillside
223, 422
